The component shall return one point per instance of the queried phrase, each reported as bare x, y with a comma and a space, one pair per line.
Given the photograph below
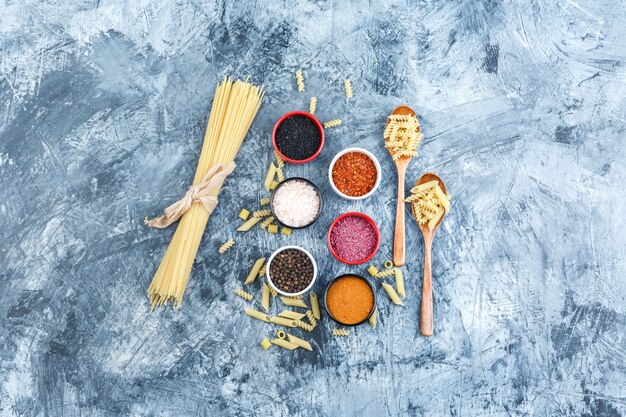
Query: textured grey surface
103, 105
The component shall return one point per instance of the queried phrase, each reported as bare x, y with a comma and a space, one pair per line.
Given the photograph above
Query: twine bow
198, 193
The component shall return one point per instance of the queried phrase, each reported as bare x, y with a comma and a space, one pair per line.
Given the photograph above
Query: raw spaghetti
234, 107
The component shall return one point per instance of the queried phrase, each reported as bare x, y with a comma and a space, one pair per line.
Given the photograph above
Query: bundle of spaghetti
234, 107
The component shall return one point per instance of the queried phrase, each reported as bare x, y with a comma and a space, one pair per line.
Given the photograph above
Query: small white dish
370, 156
269, 264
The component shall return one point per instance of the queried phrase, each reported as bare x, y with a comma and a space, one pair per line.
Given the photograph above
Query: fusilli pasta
300, 81
402, 135
244, 294
348, 87
332, 123
226, 245
340, 332
313, 105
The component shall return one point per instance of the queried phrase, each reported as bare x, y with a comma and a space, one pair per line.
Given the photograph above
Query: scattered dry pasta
332, 123
244, 294
272, 228
373, 318
264, 201
311, 317
262, 213
372, 270
265, 343
388, 264
286, 231
244, 214
348, 87
284, 344
315, 305
385, 273
402, 135
257, 314
263, 270
313, 105
254, 272
400, 283
265, 297
284, 321
267, 222
306, 326
248, 224
299, 342
393, 295
429, 203
340, 332
300, 81
280, 174
226, 245
280, 162
280, 334
289, 314
269, 177
293, 302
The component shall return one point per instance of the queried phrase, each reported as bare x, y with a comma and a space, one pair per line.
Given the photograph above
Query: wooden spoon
402, 164
426, 315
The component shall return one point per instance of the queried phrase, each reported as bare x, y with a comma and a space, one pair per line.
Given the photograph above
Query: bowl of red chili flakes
354, 173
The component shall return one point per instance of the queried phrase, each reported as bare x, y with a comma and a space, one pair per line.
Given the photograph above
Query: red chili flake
354, 174
353, 239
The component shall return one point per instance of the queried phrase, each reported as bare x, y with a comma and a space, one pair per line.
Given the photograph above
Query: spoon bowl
426, 311
402, 164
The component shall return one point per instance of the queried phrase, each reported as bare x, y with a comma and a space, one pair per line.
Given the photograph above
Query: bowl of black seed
291, 270
298, 137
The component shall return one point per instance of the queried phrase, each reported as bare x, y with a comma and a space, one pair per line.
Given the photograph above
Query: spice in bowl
353, 238
296, 203
354, 173
298, 137
350, 300
291, 270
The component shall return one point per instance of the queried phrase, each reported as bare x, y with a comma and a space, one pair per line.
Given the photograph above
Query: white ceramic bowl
370, 156
269, 263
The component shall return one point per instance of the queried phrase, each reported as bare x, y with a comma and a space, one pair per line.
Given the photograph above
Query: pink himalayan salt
353, 239
296, 203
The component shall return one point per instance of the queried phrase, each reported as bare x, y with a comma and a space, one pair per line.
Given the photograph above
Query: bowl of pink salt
353, 238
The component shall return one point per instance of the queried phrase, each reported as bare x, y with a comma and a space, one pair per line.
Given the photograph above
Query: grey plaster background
103, 105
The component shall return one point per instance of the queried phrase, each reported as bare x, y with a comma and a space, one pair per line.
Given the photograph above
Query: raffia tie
198, 193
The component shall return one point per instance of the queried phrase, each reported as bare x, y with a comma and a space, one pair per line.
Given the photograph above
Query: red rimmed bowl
374, 247
317, 123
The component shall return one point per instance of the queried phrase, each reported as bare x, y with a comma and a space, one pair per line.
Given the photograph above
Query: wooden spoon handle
398, 233
426, 316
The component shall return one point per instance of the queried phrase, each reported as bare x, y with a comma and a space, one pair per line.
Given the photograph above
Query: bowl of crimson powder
291, 270
298, 137
353, 238
354, 173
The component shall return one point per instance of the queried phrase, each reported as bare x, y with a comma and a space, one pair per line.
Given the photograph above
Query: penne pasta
400, 283
374, 318
269, 177
254, 272
315, 305
293, 302
265, 297
248, 224
280, 334
294, 315
395, 298
257, 314
284, 321
284, 344
299, 342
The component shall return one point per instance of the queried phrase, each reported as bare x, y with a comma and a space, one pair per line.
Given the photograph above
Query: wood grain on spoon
426, 315
402, 164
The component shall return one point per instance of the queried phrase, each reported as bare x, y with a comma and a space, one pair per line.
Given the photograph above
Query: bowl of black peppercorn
298, 137
291, 270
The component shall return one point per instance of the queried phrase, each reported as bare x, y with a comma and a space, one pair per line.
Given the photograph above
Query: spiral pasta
340, 332
280, 162
267, 222
261, 213
311, 317
332, 123
402, 135
280, 174
313, 105
226, 245
300, 81
348, 87
244, 294
264, 201
305, 326
386, 273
